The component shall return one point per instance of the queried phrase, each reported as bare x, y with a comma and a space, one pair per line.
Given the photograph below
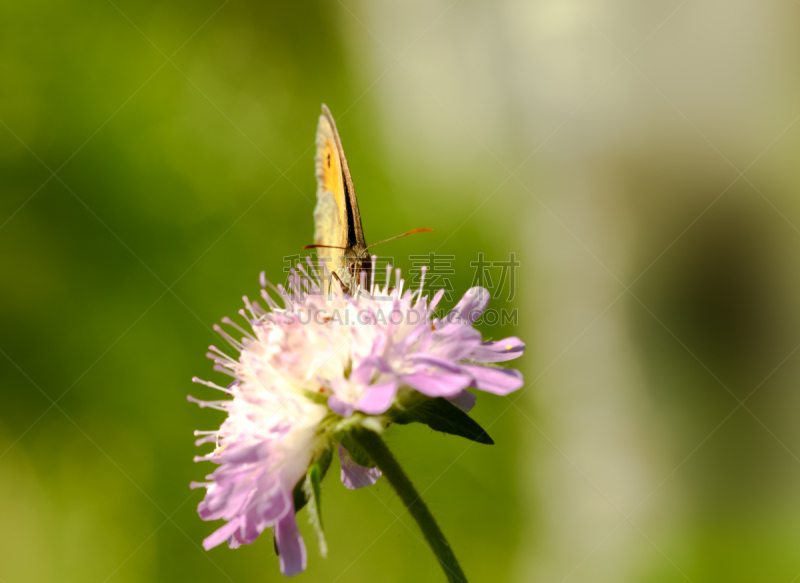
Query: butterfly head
356, 260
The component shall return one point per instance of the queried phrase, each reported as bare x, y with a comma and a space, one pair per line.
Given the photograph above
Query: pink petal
355, 476
423, 361
220, 535
470, 308
438, 384
500, 381
290, 545
377, 398
499, 351
464, 401
339, 407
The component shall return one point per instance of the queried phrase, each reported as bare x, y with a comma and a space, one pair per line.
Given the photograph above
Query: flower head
322, 363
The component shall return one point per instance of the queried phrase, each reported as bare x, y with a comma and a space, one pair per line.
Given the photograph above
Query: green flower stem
374, 446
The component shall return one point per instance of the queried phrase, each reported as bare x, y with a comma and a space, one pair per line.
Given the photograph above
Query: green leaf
312, 489
441, 415
356, 452
298, 494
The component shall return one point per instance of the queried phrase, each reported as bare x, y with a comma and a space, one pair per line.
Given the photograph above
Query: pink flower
318, 365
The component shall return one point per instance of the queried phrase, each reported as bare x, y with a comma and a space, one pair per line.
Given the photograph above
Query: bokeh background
640, 159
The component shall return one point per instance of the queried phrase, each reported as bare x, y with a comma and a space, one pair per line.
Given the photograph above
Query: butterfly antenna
403, 235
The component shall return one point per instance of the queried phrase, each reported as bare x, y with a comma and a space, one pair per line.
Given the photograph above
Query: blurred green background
640, 159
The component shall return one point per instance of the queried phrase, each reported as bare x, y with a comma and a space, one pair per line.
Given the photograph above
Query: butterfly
337, 220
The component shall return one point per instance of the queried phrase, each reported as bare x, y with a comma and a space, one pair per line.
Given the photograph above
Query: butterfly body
337, 220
